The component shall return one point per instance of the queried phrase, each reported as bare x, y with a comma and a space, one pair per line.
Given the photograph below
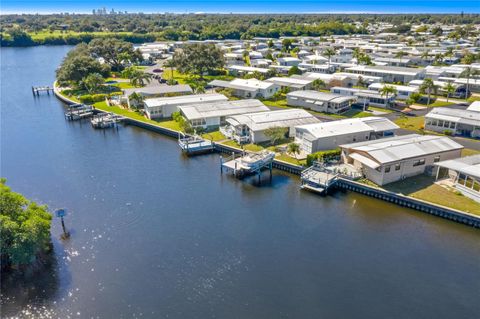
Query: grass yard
190, 78
279, 103
356, 113
469, 152
423, 187
214, 136
170, 124
413, 123
291, 160
247, 147
473, 98
440, 103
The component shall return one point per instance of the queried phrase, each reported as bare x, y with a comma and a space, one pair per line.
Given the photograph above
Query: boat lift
248, 163
317, 179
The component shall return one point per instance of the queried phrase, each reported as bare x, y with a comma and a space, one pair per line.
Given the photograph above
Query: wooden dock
36, 90
248, 163
105, 120
78, 111
317, 180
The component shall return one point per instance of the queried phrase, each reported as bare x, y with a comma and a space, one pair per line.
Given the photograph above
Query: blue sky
243, 6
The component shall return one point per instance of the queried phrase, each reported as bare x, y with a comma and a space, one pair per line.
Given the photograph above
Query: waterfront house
455, 121
251, 127
329, 135
319, 101
212, 115
164, 107
463, 174
248, 88
395, 158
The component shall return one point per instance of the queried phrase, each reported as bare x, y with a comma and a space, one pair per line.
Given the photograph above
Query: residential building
365, 97
329, 135
292, 83
210, 116
319, 101
164, 107
288, 61
248, 88
390, 74
455, 121
395, 158
403, 91
251, 127
463, 173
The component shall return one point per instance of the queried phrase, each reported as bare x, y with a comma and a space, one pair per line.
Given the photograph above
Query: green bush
448, 132
92, 98
323, 156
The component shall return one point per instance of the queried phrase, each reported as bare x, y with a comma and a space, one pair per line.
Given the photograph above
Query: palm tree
400, 55
170, 64
293, 148
329, 52
428, 86
388, 90
425, 55
137, 99
139, 78
468, 73
450, 89
357, 54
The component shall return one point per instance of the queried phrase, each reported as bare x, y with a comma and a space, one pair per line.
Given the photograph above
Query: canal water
158, 235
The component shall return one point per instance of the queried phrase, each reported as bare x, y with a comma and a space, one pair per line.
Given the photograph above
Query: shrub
92, 98
448, 132
323, 156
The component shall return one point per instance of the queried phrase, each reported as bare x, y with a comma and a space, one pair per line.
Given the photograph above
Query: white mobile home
365, 97
403, 91
212, 115
292, 83
329, 135
164, 107
251, 88
389, 73
319, 101
250, 128
457, 122
395, 158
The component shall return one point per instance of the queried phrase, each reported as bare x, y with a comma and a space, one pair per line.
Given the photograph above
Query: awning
364, 160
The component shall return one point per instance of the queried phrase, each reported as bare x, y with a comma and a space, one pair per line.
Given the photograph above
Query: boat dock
248, 163
317, 179
105, 120
78, 111
36, 90
191, 145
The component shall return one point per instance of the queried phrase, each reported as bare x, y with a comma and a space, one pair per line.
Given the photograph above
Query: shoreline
345, 184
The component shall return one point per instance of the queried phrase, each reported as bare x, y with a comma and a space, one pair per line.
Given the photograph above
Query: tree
293, 148
20, 37
468, 73
25, 228
287, 45
449, 89
428, 86
361, 82
198, 59
400, 55
388, 90
275, 133
318, 84
170, 64
78, 64
92, 82
329, 52
114, 52
137, 99
294, 70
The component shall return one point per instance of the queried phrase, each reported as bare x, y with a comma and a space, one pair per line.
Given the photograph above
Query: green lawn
190, 78
248, 147
170, 124
379, 109
279, 103
423, 187
473, 99
413, 123
356, 113
469, 151
214, 136
41, 35
291, 160
440, 103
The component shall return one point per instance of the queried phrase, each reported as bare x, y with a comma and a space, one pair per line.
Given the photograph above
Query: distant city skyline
242, 6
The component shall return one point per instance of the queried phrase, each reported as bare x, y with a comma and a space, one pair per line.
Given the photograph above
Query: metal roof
265, 120
469, 165
251, 85
320, 96
348, 126
469, 117
398, 148
184, 99
222, 108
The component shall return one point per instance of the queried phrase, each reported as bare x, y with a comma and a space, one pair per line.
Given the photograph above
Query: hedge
323, 156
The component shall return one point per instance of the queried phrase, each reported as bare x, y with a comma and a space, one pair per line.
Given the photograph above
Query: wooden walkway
36, 90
